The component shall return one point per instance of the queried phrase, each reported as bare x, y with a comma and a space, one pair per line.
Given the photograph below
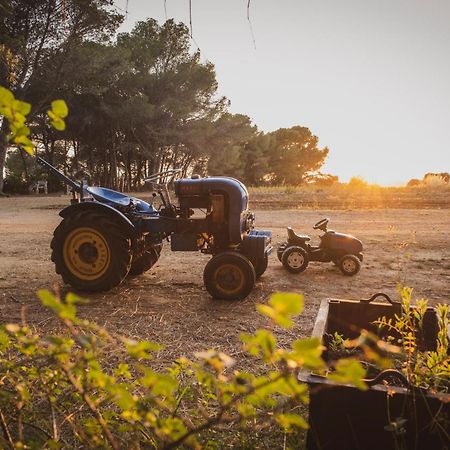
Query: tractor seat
293, 236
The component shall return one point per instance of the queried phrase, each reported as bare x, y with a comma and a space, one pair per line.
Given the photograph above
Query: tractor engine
225, 201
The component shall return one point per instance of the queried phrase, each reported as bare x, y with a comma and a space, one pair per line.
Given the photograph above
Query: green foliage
295, 154
15, 112
86, 387
38, 38
141, 104
57, 113
282, 307
349, 371
429, 369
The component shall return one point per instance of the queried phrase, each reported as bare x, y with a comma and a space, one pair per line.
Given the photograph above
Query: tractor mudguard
108, 211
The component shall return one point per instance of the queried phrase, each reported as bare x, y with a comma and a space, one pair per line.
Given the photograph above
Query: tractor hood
234, 190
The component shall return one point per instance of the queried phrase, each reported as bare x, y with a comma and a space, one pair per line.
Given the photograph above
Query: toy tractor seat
294, 237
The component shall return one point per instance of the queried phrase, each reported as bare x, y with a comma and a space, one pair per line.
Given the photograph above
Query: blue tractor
106, 236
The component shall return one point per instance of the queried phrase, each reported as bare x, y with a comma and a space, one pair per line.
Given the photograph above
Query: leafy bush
15, 185
428, 369
88, 388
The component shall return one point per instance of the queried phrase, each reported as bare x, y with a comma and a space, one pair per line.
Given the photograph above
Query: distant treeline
431, 179
141, 103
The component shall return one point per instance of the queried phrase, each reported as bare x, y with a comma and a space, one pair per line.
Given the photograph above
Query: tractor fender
109, 211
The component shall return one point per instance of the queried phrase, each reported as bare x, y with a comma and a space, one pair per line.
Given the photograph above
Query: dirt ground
169, 304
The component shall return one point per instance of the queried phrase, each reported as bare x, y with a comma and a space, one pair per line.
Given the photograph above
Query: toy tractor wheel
295, 259
91, 252
349, 265
229, 276
261, 266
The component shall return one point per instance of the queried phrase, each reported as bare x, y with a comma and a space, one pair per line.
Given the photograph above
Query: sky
370, 78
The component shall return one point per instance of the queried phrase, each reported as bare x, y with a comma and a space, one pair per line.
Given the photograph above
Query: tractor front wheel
229, 276
91, 252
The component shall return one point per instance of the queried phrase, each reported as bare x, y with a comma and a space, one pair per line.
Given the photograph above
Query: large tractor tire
229, 276
145, 261
91, 252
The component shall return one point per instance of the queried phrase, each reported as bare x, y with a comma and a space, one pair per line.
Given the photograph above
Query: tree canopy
142, 103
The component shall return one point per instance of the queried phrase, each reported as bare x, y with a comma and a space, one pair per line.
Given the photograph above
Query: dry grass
345, 196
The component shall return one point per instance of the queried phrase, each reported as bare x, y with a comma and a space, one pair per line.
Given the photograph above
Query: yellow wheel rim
86, 253
229, 279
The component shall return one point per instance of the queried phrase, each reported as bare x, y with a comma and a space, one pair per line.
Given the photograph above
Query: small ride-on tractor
343, 250
106, 236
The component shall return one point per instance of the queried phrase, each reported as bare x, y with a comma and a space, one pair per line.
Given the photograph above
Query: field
169, 304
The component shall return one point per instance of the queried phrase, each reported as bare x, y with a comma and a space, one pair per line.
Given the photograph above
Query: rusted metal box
344, 417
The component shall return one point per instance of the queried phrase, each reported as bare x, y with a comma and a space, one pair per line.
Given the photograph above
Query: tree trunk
3, 148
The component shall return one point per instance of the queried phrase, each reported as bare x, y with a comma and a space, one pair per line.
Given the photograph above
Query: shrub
357, 182
414, 182
88, 388
15, 185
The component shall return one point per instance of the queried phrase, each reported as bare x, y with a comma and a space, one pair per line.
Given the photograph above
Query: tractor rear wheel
144, 262
91, 252
229, 276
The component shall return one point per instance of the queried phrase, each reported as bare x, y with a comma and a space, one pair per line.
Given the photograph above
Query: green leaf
287, 303
349, 371
58, 124
246, 410
4, 341
263, 341
289, 421
123, 371
73, 299
6, 97
140, 349
65, 311
23, 108
282, 307
160, 384
59, 107
307, 353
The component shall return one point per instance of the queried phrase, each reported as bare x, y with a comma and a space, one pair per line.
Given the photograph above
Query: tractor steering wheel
322, 225
155, 176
